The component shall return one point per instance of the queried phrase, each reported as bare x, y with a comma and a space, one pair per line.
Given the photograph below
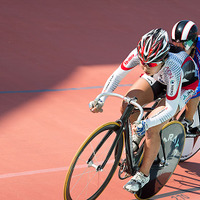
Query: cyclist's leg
190, 108
152, 143
173, 137
151, 149
144, 93
190, 103
146, 89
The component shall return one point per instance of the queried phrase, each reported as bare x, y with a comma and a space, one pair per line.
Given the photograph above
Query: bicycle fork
90, 160
129, 165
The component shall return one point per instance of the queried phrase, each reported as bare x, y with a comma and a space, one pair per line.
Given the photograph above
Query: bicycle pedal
121, 162
125, 176
123, 173
193, 132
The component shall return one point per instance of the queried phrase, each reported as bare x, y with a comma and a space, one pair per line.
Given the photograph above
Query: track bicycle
192, 141
100, 154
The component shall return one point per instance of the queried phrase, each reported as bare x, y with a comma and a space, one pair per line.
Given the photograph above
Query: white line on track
25, 173
42, 171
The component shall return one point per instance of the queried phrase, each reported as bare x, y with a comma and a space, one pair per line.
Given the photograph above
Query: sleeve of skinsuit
174, 83
127, 65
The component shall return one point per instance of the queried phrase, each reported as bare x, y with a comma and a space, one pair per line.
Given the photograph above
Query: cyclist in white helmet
173, 74
184, 34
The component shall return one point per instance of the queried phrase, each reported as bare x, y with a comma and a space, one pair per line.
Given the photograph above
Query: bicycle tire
192, 145
73, 183
173, 135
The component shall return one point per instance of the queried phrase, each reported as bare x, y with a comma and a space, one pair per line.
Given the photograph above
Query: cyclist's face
150, 70
180, 44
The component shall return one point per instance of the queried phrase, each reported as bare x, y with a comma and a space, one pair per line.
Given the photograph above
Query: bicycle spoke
86, 179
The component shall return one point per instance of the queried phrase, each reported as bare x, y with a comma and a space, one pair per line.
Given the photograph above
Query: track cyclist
184, 34
173, 74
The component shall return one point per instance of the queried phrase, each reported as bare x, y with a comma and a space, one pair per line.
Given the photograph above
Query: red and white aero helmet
153, 46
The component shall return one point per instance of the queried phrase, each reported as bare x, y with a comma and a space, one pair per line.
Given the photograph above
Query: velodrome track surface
55, 57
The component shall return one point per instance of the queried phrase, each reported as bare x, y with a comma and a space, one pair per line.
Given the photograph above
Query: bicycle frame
132, 160
130, 157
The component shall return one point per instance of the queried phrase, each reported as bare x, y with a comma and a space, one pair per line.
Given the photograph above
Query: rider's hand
96, 107
140, 128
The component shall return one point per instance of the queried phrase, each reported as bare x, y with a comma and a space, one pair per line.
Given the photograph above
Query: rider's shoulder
133, 52
176, 60
175, 52
132, 59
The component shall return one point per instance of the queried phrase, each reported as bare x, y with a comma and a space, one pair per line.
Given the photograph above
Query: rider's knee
152, 133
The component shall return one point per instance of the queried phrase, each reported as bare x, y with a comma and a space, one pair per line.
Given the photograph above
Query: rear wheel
192, 141
86, 179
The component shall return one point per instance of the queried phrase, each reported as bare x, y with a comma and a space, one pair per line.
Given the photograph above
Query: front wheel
93, 167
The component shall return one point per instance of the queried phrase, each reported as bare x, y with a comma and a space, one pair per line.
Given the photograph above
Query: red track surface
72, 45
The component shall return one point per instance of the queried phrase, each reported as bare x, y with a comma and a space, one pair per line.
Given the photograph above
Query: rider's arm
172, 100
126, 66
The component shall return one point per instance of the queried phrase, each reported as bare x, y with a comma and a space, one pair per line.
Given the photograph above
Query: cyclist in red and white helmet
185, 35
173, 74
153, 47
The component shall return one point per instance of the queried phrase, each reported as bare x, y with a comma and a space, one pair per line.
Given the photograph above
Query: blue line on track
58, 90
